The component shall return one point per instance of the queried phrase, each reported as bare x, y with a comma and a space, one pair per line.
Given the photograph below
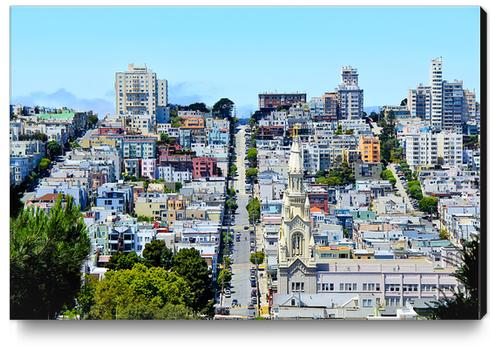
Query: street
401, 189
240, 283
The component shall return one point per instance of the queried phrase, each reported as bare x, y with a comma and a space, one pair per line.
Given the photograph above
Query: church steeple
295, 239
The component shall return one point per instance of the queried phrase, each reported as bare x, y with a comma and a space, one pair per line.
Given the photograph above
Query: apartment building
425, 149
419, 101
139, 92
370, 149
271, 101
350, 96
436, 91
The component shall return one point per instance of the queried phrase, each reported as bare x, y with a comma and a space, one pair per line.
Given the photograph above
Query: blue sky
69, 55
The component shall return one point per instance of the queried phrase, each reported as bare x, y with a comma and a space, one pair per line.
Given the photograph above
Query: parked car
251, 307
234, 302
222, 310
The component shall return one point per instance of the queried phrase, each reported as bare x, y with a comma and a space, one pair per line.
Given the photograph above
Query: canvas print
247, 163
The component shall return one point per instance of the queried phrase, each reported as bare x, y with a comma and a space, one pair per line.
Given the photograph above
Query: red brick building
204, 167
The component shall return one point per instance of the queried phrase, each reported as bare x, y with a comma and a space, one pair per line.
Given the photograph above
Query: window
367, 303
298, 286
326, 287
410, 287
348, 287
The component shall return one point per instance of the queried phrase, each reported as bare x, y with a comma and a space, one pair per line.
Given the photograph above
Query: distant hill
369, 109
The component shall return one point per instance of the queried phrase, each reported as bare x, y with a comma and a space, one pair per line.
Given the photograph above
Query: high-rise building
453, 106
419, 101
469, 106
139, 92
331, 106
350, 96
436, 93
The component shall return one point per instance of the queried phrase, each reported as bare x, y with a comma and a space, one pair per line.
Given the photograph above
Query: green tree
165, 138
257, 257
16, 205
253, 209
223, 108
415, 190
227, 261
44, 164
156, 253
53, 149
233, 170
444, 234
224, 278
387, 174
46, 254
142, 293
251, 172
85, 299
189, 264
428, 204
123, 261
198, 106
339, 130
252, 154
92, 121
320, 173
175, 122
232, 204
463, 304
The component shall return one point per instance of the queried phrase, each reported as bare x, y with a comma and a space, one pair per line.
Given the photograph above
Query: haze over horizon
207, 53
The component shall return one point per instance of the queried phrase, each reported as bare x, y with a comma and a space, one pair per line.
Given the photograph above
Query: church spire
295, 157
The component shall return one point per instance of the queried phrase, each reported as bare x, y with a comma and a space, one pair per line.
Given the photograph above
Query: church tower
296, 268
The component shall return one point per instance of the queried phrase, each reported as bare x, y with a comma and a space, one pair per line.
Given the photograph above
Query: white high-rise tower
436, 93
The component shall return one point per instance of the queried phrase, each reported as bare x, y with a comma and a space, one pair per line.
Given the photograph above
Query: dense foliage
46, 255
189, 264
337, 176
464, 304
157, 254
257, 257
142, 293
253, 208
428, 204
223, 108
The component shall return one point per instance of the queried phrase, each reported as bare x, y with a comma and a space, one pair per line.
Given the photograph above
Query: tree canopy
223, 108
53, 149
46, 254
337, 176
253, 208
142, 293
193, 268
198, 106
428, 204
257, 257
156, 253
123, 261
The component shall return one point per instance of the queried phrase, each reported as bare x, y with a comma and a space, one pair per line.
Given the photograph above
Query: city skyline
70, 77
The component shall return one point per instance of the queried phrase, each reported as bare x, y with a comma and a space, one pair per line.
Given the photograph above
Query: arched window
297, 243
